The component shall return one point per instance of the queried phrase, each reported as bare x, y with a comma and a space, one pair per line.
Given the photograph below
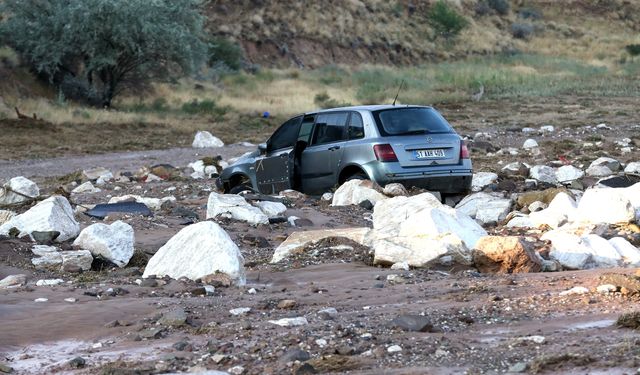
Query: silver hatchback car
313, 152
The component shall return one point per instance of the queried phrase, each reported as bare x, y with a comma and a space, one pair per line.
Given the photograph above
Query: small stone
518, 367
5, 369
529, 144
404, 266
575, 290
290, 322
413, 323
252, 291
182, 346
173, 318
40, 300
13, 281
394, 349
606, 288
295, 354
77, 362
328, 314
239, 311
152, 334
71, 300
287, 304
305, 369
236, 370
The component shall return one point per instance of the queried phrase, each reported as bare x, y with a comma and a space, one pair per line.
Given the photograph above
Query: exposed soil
481, 323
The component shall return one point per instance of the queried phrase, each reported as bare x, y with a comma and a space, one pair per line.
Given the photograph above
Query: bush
633, 49
500, 6
445, 20
530, 13
482, 8
205, 107
324, 101
222, 51
521, 30
101, 47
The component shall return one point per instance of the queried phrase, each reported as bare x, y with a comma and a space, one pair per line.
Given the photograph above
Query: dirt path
116, 161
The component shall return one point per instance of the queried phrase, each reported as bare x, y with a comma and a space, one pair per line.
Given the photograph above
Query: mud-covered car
313, 152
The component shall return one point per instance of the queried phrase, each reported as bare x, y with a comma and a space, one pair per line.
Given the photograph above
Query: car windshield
407, 121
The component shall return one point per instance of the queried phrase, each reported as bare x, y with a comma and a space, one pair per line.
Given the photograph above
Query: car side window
285, 136
305, 129
330, 127
356, 126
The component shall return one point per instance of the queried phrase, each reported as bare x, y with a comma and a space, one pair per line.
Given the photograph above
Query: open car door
274, 171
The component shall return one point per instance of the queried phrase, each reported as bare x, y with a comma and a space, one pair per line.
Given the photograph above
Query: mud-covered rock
510, 254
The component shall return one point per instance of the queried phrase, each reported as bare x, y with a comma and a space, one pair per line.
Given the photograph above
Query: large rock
511, 254
606, 205
482, 179
420, 230
485, 207
633, 167
395, 190
573, 251
81, 259
153, 203
299, 240
13, 281
112, 242
529, 144
52, 214
47, 256
610, 163
201, 170
17, 190
204, 139
557, 213
543, 173
95, 173
516, 169
599, 171
568, 173
234, 207
629, 253
87, 187
354, 192
196, 251
271, 209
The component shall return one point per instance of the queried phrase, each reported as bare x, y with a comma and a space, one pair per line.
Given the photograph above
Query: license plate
427, 154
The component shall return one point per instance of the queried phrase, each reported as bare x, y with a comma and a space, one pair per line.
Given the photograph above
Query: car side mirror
262, 147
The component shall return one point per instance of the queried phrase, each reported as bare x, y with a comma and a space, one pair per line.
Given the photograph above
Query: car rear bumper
452, 179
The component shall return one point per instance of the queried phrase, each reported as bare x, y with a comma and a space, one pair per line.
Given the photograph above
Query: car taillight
464, 151
385, 153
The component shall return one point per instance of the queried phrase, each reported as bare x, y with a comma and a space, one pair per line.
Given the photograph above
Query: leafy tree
445, 20
93, 49
633, 49
222, 51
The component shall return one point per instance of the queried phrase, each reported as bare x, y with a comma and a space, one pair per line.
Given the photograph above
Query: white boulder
87, 187
603, 252
529, 144
599, 171
204, 139
17, 190
633, 167
568, 250
543, 173
95, 173
485, 207
52, 214
354, 192
419, 230
629, 253
607, 205
516, 168
568, 173
113, 242
482, 179
153, 203
13, 281
201, 170
547, 129
234, 207
46, 256
196, 251
271, 209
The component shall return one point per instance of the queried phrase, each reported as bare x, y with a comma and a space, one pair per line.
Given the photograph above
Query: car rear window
406, 121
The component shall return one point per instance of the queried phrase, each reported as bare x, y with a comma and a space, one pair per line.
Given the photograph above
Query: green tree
94, 49
445, 20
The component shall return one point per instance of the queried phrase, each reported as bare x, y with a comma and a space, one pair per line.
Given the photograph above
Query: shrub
500, 6
104, 46
445, 20
530, 13
204, 107
222, 51
323, 100
521, 30
482, 8
633, 49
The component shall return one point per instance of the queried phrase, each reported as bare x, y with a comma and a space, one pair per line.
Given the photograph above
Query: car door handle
333, 148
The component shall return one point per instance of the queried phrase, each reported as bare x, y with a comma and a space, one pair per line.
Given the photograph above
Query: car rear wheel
240, 188
357, 176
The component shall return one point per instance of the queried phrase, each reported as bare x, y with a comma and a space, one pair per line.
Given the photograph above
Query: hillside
314, 33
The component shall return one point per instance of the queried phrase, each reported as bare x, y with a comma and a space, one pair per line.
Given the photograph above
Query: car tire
240, 188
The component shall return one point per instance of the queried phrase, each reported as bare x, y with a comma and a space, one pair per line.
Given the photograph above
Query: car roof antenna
399, 88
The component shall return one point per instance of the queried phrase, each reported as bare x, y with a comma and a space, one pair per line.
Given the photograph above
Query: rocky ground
333, 304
